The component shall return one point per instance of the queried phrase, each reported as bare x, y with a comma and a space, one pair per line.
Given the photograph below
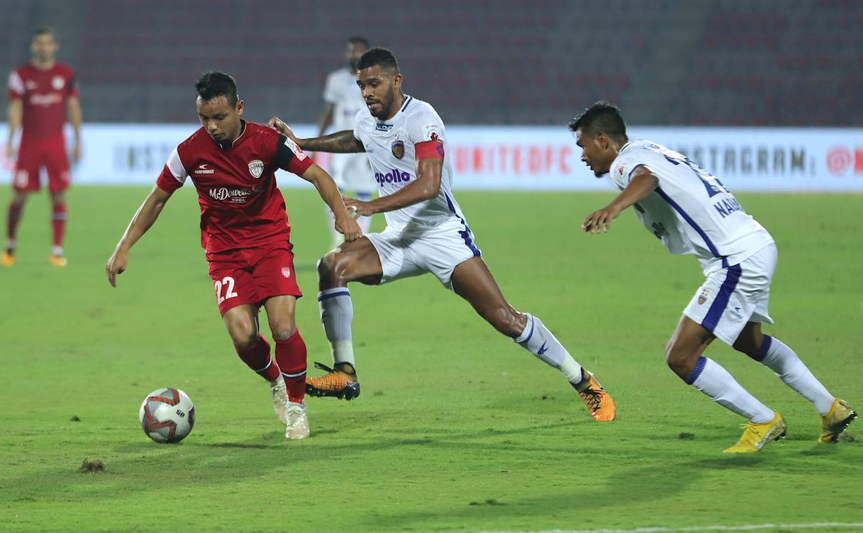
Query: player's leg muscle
242, 324
687, 343
353, 261
473, 281
280, 315
750, 339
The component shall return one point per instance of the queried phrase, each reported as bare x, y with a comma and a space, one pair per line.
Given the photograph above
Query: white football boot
298, 422
280, 399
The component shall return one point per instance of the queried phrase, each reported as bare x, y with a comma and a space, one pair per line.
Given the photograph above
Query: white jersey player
343, 99
406, 142
691, 212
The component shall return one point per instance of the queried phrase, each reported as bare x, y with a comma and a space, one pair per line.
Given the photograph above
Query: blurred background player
351, 172
246, 233
691, 212
426, 233
42, 95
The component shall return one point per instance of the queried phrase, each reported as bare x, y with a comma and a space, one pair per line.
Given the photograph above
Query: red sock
291, 356
258, 359
58, 221
14, 217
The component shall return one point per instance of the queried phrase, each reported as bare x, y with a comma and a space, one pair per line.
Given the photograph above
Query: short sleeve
174, 174
291, 157
623, 167
358, 122
425, 126
16, 86
331, 90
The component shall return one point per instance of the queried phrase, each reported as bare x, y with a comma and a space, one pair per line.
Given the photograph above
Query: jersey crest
399, 149
256, 168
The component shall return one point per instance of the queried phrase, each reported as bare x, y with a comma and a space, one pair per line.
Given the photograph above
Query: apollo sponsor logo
223, 194
394, 176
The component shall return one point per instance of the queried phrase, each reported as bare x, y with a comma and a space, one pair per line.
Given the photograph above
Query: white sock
539, 341
57, 250
337, 313
710, 378
782, 360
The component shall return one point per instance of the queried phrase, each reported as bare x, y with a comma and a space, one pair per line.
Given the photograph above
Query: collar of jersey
240, 136
408, 100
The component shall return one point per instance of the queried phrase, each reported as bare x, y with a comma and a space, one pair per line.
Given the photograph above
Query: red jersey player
42, 94
245, 231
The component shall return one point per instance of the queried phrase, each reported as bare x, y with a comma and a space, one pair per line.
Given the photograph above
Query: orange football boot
599, 403
334, 383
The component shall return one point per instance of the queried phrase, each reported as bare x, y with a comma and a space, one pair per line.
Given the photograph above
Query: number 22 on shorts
228, 284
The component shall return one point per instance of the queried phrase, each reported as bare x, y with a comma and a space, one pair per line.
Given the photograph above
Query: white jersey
390, 148
690, 211
343, 93
351, 172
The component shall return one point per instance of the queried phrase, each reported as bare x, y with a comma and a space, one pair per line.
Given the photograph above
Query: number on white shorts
228, 284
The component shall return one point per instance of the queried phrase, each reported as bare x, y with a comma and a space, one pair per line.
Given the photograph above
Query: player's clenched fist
116, 265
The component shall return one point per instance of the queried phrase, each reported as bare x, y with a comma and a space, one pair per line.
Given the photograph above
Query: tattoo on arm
342, 142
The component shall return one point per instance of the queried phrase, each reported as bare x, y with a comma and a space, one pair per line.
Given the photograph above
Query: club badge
256, 168
399, 149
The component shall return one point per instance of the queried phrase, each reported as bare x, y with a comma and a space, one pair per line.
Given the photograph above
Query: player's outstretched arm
342, 142
641, 184
329, 192
141, 222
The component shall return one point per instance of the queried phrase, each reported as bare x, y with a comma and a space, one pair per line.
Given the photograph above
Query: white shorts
733, 296
352, 172
438, 250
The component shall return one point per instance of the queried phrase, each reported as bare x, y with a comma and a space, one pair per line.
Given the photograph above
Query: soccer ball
167, 415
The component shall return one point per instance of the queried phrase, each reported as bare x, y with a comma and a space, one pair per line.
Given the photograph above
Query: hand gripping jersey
690, 211
241, 206
391, 147
44, 94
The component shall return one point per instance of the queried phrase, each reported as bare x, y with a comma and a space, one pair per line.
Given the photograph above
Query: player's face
44, 47
220, 118
379, 90
353, 52
596, 152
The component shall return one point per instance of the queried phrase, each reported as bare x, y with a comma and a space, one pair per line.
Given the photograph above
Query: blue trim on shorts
699, 367
466, 235
721, 301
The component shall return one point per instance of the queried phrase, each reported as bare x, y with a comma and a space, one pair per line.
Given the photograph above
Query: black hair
601, 117
214, 84
44, 30
379, 56
359, 40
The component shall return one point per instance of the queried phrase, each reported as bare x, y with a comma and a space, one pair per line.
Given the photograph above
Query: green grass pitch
457, 429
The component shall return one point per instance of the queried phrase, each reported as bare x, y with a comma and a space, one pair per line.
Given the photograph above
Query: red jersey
45, 94
241, 206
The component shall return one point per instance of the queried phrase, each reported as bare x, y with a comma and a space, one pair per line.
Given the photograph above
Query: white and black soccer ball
167, 415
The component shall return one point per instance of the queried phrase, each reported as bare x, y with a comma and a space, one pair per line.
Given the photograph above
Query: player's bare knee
284, 331
678, 360
244, 336
334, 269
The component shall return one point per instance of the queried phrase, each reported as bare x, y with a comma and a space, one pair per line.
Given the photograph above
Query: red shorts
35, 153
252, 275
